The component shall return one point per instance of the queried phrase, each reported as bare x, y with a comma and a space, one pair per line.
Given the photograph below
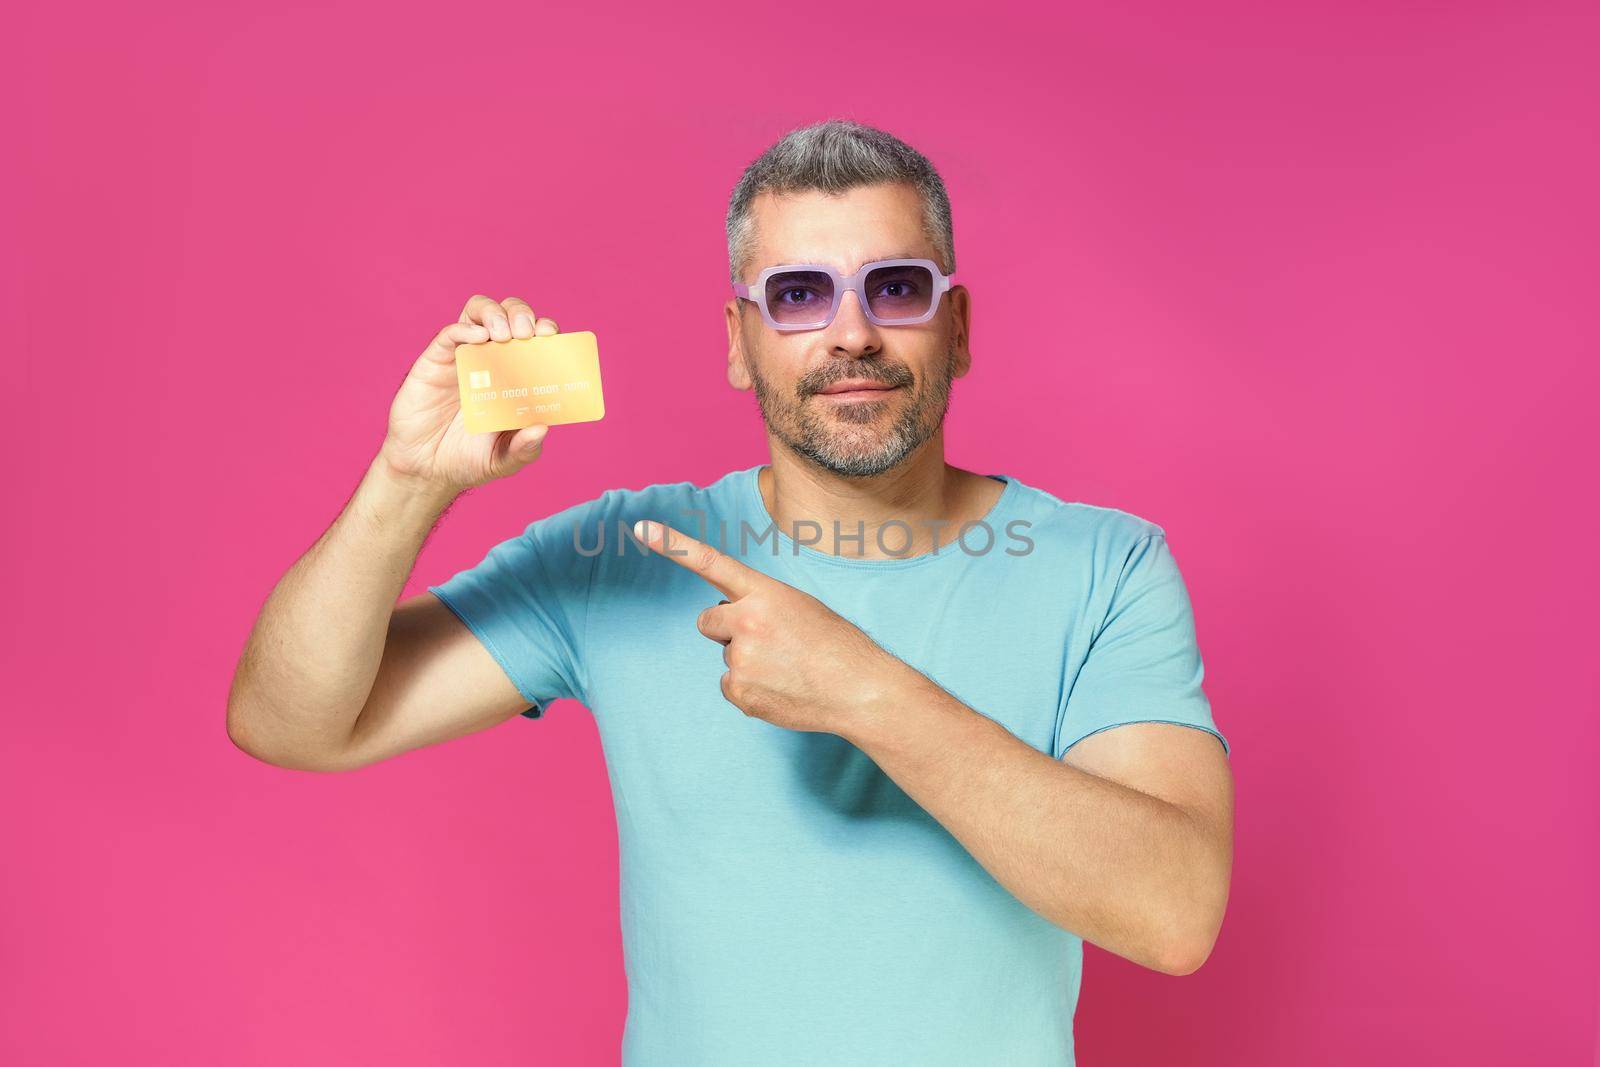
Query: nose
850, 326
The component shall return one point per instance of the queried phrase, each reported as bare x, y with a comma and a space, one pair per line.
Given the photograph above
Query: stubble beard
846, 440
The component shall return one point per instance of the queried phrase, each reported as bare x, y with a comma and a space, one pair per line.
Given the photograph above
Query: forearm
1124, 870
308, 666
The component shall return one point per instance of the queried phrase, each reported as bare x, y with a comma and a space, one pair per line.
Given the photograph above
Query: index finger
537, 327
731, 577
488, 312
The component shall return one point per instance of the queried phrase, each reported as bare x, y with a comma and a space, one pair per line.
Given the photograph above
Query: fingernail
524, 324
641, 529
497, 327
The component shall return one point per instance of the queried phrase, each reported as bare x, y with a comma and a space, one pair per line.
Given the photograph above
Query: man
959, 755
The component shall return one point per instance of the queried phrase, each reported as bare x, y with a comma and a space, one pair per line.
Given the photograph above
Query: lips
857, 385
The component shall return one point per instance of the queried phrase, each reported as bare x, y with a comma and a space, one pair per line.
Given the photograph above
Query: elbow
246, 740
239, 733
1189, 926
241, 713
1192, 919
1186, 944
1185, 957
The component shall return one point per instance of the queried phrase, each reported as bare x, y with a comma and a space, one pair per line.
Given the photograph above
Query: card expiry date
546, 381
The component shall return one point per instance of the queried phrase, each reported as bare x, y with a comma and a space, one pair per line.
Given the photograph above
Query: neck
923, 493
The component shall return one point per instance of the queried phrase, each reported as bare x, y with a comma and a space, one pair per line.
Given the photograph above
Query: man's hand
791, 660
427, 444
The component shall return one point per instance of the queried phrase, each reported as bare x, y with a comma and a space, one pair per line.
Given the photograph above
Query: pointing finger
732, 578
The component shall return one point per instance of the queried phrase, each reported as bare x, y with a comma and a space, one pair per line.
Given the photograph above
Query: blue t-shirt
783, 900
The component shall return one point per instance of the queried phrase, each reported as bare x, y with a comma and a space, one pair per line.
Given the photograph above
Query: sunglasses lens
806, 297
799, 297
900, 292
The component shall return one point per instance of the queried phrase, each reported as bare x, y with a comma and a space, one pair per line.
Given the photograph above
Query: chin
861, 412
859, 458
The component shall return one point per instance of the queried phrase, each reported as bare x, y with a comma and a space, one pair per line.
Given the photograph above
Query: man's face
852, 434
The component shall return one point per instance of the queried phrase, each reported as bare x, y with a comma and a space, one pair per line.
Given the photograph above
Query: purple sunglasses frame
756, 292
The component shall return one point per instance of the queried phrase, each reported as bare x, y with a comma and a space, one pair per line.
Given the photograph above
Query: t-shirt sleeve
527, 601
1143, 663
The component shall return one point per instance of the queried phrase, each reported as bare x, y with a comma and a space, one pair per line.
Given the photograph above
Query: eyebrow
871, 259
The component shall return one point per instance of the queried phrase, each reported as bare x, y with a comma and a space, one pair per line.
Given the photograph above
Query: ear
960, 301
738, 376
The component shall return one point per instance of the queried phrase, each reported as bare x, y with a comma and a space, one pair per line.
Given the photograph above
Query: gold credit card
545, 381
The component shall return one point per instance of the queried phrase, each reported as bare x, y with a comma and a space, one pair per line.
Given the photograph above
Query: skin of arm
335, 675
1127, 841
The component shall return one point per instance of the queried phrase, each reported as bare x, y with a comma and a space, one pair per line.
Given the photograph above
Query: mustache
886, 375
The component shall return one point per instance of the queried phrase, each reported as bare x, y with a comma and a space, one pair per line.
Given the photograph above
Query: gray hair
832, 157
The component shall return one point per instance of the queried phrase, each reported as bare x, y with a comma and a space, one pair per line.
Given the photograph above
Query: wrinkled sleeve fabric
527, 601
1143, 663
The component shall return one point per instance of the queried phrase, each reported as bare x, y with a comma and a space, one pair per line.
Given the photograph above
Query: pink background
1311, 289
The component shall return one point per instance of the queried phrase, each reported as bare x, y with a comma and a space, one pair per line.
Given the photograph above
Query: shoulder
1108, 550
1079, 527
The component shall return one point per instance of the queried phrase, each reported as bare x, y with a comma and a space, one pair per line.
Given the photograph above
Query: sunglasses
806, 296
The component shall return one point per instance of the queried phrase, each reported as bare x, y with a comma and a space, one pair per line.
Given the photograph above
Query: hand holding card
548, 381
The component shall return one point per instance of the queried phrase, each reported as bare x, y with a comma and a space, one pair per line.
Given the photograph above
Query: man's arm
335, 675
1127, 841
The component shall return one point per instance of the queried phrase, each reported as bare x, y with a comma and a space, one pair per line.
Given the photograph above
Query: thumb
525, 443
